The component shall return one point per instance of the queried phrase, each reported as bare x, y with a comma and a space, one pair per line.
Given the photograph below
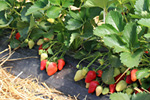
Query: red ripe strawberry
61, 64
17, 36
146, 51
99, 73
112, 88
91, 75
92, 86
40, 47
52, 68
128, 79
133, 75
122, 78
138, 91
148, 89
43, 64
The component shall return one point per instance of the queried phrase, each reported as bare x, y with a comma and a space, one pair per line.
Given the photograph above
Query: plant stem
92, 62
60, 21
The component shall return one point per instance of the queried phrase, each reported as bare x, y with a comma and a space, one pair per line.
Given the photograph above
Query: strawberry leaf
115, 41
141, 96
114, 18
55, 2
142, 73
144, 22
104, 29
131, 59
73, 24
66, 3
107, 76
4, 5
53, 12
98, 3
141, 5
130, 35
73, 37
14, 43
119, 96
38, 5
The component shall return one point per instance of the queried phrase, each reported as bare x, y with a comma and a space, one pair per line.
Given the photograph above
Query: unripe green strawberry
87, 85
44, 56
41, 51
135, 85
121, 85
78, 76
129, 91
105, 91
26, 40
147, 76
31, 44
122, 69
40, 42
84, 71
77, 66
99, 90
101, 61
116, 72
51, 20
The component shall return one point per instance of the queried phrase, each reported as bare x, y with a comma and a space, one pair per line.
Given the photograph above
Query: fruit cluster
51, 66
125, 81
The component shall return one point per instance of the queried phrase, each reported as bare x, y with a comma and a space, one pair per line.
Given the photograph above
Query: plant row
114, 33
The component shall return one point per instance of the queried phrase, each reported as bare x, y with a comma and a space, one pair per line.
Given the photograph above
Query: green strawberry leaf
4, 5
130, 35
142, 73
53, 12
145, 82
115, 41
107, 76
38, 5
94, 11
14, 43
60, 37
75, 15
73, 37
32, 22
88, 30
119, 96
131, 59
104, 29
74, 24
141, 5
144, 22
147, 35
23, 12
98, 3
3, 20
141, 96
115, 61
23, 28
55, 2
114, 18
36, 33
66, 3
4, 25
44, 25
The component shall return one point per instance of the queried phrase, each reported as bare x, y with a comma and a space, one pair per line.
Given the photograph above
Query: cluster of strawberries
126, 83
51, 67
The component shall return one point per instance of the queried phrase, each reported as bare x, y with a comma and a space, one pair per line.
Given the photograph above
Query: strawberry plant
111, 33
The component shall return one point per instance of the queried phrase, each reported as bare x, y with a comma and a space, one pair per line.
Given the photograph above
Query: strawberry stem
92, 61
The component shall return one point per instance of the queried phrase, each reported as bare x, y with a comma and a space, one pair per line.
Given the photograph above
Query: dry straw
14, 88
